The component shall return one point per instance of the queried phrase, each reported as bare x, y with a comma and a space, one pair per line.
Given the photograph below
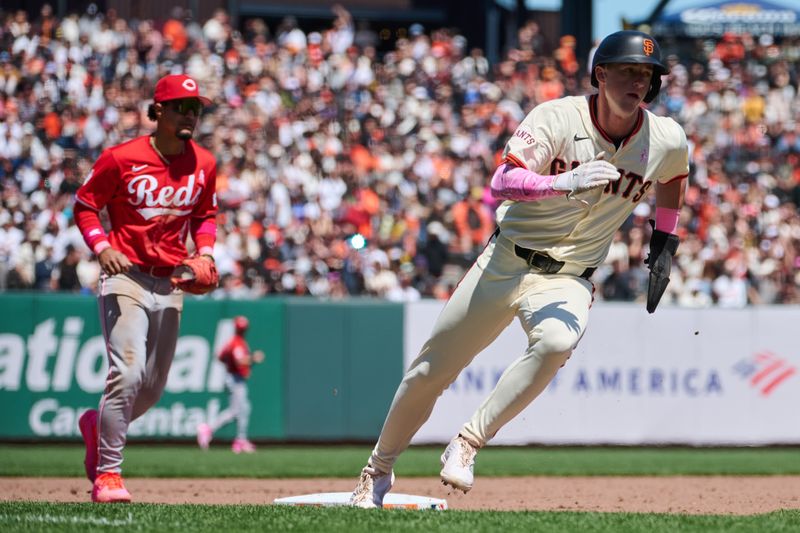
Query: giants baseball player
238, 360
573, 172
157, 189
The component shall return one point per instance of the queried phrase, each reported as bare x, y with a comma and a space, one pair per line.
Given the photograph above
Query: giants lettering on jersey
627, 184
524, 133
151, 201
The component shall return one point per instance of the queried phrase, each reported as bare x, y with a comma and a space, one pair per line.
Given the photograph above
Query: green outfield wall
345, 361
330, 371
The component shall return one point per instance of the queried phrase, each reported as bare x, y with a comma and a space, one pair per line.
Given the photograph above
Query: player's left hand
663, 246
202, 278
258, 356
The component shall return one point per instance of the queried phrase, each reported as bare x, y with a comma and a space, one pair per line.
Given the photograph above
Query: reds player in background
157, 189
572, 173
238, 360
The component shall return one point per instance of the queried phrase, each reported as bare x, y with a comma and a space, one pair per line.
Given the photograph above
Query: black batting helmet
630, 46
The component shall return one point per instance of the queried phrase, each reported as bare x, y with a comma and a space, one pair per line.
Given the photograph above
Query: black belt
155, 271
542, 261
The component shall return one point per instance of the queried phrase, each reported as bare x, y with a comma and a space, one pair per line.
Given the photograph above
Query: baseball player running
156, 189
572, 173
238, 359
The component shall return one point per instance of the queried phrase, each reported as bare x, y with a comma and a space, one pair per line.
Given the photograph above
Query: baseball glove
663, 246
199, 275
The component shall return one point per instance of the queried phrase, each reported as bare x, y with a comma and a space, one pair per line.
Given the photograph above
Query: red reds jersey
151, 199
236, 356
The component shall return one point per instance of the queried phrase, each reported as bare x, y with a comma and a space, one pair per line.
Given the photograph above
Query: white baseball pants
553, 310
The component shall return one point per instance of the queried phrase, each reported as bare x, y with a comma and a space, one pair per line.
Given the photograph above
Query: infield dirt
683, 494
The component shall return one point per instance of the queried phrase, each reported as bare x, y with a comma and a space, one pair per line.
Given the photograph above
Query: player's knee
560, 358
148, 398
559, 346
131, 378
426, 374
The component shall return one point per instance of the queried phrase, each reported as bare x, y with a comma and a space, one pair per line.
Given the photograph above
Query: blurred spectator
43, 273
565, 55
620, 284
473, 223
68, 279
174, 31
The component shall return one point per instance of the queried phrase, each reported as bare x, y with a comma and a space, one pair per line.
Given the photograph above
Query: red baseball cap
241, 323
177, 86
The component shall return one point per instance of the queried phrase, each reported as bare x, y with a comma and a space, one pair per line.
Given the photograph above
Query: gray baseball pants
140, 315
238, 407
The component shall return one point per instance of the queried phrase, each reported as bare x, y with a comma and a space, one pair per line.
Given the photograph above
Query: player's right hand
595, 173
114, 262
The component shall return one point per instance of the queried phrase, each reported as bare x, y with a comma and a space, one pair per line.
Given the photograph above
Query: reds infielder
573, 172
157, 189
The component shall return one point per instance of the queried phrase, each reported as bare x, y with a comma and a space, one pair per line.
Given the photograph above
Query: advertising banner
679, 376
715, 19
53, 367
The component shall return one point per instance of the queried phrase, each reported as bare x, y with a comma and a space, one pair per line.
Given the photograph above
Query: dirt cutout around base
724, 495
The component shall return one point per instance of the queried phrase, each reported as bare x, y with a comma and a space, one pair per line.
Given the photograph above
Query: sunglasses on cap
182, 106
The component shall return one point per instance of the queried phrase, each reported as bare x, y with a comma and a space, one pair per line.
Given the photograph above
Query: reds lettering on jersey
559, 135
150, 200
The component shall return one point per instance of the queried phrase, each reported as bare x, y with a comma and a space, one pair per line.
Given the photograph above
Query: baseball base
391, 501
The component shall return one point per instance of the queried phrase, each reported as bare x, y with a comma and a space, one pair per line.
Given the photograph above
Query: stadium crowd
345, 171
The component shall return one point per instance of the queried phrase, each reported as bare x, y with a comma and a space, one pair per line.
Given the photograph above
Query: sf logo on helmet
648, 47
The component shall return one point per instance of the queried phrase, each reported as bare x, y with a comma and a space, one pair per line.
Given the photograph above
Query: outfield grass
48, 517
143, 460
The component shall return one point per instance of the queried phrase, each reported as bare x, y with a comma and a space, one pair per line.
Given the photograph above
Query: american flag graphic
765, 371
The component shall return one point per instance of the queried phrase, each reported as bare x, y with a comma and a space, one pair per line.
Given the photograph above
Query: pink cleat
108, 488
204, 435
242, 446
88, 426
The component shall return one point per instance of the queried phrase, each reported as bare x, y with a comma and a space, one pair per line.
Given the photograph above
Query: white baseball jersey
560, 135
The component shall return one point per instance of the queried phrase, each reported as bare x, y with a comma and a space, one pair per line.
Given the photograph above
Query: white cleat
372, 487
458, 463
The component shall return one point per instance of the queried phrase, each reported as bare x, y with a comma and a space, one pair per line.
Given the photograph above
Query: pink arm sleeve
88, 221
204, 233
667, 219
522, 185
